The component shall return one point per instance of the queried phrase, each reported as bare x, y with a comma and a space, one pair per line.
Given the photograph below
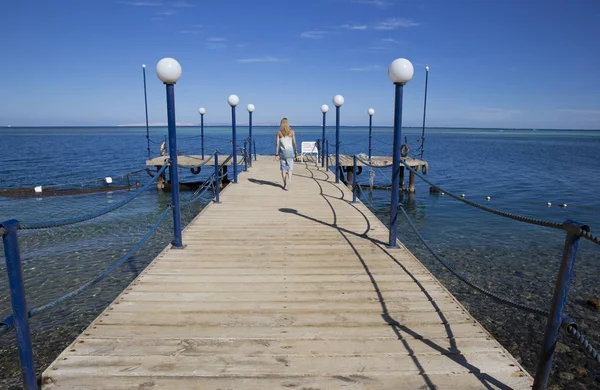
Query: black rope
515, 217
588, 348
482, 290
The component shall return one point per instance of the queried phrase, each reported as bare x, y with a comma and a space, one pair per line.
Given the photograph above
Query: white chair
309, 148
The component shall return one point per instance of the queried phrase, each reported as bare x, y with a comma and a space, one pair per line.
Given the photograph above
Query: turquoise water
521, 170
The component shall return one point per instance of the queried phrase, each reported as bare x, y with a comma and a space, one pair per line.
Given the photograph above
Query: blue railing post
396, 167
559, 300
217, 177
146, 105
173, 167
327, 155
354, 181
338, 100
246, 156
424, 112
400, 72
370, 112
168, 71
250, 110
202, 134
19, 304
233, 101
324, 110
254, 144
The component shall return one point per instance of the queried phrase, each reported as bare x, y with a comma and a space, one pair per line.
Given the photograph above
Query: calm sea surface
521, 170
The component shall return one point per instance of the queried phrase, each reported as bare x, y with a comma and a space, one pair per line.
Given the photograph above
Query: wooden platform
285, 290
193, 161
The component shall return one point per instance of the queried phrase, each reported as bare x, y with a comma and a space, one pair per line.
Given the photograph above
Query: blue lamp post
324, 109
233, 101
146, 105
424, 111
250, 109
168, 71
202, 111
370, 111
338, 101
400, 72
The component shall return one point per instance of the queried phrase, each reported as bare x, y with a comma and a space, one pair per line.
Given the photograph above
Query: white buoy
489, 198
38, 189
108, 180
549, 204
443, 193
462, 195
563, 205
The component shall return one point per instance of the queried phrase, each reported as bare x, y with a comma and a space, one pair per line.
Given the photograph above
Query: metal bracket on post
19, 304
559, 301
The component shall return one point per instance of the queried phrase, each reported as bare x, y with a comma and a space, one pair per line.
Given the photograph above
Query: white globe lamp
250, 108
202, 111
338, 100
168, 70
324, 108
401, 71
233, 100
370, 111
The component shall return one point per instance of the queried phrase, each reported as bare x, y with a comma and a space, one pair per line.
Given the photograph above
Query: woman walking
285, 152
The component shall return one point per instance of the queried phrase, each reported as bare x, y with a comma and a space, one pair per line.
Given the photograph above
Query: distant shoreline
297, 126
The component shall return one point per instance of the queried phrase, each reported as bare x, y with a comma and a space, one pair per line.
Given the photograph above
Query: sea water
520, 170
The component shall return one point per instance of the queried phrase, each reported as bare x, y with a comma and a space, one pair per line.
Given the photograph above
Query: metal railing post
327, 155
19, 304
559, 300
234, 142
254, 144
396, 167
250, 137
337, 144
217, 177
323, 139
202, 134
246, 156
354, 180
173, 167
370, 134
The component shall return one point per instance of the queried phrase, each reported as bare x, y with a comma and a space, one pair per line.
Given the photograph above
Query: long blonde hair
284, 128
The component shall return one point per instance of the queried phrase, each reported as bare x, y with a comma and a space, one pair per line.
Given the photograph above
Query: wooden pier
346, 162
285, 290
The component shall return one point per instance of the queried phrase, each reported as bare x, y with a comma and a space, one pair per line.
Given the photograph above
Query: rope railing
580, 338
571, 228
505, 214
465, 280
87, 217
8, 323
199, 192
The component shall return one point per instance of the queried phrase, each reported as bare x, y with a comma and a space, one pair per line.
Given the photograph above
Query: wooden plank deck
285, 289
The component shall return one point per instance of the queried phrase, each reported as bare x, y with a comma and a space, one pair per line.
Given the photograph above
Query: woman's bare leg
283, 178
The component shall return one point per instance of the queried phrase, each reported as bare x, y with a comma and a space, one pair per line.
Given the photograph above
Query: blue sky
526, 63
